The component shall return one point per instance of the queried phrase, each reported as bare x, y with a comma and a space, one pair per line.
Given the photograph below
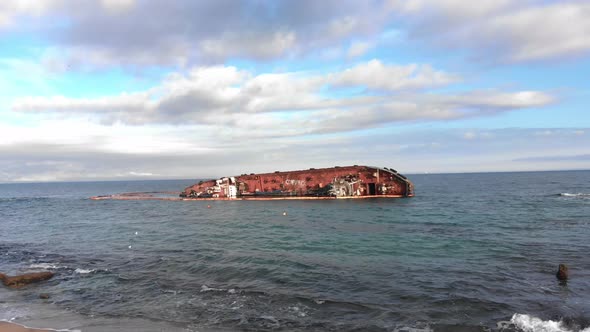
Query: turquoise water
470, 250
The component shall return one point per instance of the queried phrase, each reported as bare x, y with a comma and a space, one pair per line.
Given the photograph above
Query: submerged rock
562, 273
24, 279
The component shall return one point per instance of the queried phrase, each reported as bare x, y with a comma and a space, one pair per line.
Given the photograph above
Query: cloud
106, 33
578, 157
544, 32
469, 135
118, 6
141, 174
358, 48
513, 31
226, 97
257, 45
9, 10
90, 151
376, 75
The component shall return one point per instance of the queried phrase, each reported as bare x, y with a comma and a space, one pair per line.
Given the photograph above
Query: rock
44, 296
562, 273
25, 279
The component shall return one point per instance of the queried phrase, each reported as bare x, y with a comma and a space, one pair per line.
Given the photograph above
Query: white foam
84, 271
529, 323
575, 195
206, 288
411, 329
46, 266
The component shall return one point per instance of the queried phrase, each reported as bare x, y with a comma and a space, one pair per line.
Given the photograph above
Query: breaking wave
84, 271
529, 323
575, 195
56, 266
47, 266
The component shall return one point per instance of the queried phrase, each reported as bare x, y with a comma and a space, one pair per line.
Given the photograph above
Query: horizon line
208, 178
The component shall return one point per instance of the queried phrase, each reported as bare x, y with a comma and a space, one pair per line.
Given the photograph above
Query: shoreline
14, 327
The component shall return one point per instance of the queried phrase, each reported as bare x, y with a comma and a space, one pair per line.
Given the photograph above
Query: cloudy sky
142, 89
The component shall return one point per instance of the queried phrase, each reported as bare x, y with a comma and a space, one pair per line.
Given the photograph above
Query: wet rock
24, 279
562, 273
44, 296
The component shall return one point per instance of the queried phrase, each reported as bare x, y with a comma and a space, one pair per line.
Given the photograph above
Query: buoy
208, 206
284, 213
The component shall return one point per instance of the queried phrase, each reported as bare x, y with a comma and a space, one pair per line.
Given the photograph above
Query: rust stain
324, 183
348, 182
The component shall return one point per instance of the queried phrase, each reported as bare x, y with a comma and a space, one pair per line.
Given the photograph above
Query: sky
142, 89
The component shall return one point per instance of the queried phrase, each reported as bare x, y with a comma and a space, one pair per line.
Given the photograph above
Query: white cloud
141, 174
501, 100
10, 9
545, 31
105, 33
376, 75
117, 6
358, 48
85, 150
343, 26
260, 46
512, 31
469, 135
287, 104
457, 9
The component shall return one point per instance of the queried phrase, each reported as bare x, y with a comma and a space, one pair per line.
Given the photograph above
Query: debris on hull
323, 183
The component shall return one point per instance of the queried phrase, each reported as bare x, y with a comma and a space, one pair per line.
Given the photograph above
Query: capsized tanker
322, 183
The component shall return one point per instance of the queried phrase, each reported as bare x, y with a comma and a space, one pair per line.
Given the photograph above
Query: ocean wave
529, 323
57, 266
84, 271
411, 329
205, 288
574, 194
47, 266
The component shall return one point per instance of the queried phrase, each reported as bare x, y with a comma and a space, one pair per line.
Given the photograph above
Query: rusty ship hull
323, 183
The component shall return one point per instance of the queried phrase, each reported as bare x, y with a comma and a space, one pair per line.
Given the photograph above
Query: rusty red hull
324, 183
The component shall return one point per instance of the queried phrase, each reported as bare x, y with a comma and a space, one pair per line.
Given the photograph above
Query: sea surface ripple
469, 251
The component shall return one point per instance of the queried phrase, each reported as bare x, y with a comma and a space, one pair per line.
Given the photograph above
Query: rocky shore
24, 279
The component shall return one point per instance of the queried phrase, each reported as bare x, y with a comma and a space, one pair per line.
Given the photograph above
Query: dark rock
25, 279
562, 273
44, 296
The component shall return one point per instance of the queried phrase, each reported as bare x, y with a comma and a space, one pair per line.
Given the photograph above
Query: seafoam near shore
518, 323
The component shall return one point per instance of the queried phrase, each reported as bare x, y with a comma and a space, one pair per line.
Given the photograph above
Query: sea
469, 253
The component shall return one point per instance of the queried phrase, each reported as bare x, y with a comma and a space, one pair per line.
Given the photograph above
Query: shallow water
469, 251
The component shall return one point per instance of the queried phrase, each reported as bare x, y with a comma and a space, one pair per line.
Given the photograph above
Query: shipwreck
322, 183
